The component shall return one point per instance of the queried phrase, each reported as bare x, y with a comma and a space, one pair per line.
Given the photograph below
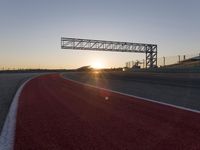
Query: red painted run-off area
56, 114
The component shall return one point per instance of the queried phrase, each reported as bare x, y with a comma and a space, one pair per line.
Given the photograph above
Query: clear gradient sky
30, 30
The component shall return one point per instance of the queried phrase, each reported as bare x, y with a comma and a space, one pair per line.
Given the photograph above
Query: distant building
84, 68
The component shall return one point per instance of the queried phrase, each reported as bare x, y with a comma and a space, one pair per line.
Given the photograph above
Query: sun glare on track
96, 72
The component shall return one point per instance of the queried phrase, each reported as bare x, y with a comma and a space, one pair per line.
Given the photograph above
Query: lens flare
97, 65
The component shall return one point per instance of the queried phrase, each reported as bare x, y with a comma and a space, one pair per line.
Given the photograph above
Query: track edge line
8, 131
133, 96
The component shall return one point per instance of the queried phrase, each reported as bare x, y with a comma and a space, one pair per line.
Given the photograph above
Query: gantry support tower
99, 45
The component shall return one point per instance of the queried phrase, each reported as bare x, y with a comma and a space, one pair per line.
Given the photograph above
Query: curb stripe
8, 130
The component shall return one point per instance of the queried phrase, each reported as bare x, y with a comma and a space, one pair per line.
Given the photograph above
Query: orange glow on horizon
97, 64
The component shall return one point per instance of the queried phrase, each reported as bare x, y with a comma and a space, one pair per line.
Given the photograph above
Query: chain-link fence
162, 61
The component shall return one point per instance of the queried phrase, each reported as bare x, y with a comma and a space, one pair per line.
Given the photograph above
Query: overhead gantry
100, 45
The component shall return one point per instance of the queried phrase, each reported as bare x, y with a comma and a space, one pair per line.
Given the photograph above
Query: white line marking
138, 97
8, 130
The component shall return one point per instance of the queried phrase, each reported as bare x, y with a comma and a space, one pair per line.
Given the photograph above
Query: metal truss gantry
99, 45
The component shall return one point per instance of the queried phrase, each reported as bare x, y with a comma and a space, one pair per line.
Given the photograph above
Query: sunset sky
30, 30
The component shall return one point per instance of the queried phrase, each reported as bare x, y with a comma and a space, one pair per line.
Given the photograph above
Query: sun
97, 64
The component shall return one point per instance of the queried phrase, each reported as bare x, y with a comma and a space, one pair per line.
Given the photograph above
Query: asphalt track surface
181, 89
55, 113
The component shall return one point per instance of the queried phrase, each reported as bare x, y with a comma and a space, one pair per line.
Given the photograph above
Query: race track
55, 113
